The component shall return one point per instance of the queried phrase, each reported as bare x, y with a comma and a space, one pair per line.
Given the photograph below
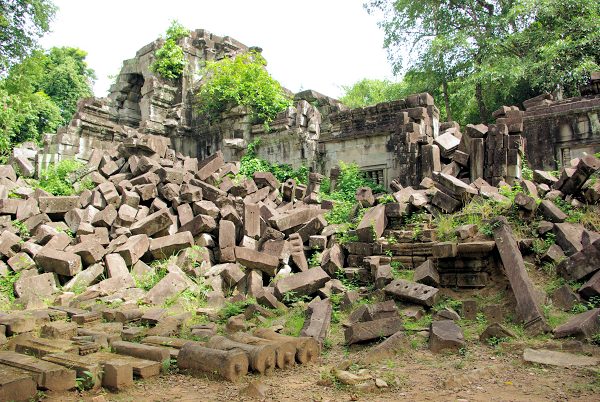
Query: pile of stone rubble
232, 239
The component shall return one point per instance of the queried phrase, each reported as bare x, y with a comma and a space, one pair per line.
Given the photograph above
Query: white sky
309, 44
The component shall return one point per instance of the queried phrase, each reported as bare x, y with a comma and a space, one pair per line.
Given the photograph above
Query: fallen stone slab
229, 364
555, 358
427, 274
169, 286
564, 298
59, 330
166, 246
582, 326
370, 330
581, 264
569, 237
199, 224
592, 287
153, 223
252, 259
294, 217
16, 384
60, 262
528, 309
141, 368
445, 335
115, 266
42, 285
551, 212
412, 292
318, 320
495, 331
133, 249
372, 224
47, 375
386, 349
90, 252
58, 204
302, 284
89, 373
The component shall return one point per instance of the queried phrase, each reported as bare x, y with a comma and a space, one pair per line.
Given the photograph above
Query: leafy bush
251, 163
242, 80
170, 60
57, 180
7, 284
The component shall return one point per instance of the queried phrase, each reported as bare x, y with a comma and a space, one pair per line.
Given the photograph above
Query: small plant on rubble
57, 178
170, 60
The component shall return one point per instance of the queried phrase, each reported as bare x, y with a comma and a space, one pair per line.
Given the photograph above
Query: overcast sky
308, 44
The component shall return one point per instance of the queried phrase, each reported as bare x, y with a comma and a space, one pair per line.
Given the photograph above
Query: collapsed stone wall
558, 131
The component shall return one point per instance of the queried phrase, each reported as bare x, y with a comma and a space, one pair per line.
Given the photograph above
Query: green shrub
242, 80
58, 179
169, 59
251, 163
7, 284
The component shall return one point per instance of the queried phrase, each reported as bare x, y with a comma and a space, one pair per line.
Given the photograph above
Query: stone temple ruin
401, 140
162, 192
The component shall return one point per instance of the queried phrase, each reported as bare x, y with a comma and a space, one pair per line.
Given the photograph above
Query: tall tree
41, 93
22, 23
448, 37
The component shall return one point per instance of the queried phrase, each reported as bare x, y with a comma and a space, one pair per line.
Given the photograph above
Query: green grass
294, 321
7, 285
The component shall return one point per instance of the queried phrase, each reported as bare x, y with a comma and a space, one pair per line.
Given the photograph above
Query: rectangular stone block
252, 259
302, 283
371, 330
412, 292
47, 375
61, 262
372, 225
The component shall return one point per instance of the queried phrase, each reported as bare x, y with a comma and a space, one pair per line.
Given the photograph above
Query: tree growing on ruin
241, 80
169, 58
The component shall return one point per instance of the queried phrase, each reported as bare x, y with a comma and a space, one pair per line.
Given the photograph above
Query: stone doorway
127, 102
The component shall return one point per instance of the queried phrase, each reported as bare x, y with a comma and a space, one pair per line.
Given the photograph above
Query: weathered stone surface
84, 278
370, 330
20, 261
60, 262
528, 309
153, 223
412, 292
231, 365
445, 335
581, 264
227, 241
318, 320
42, 285
372, 225
364, 196
332, 259
592, 287
59, 330
134, 248
582, 326
302, 283
16, 384
568, 237
257, 260
47, 375
294, 217
551, 212
564, 298
555, 358
495, 331
427, 274
164, 247
172, 284
58, 204
199, 224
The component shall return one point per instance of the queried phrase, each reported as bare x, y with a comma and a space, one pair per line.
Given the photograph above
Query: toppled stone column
528, 309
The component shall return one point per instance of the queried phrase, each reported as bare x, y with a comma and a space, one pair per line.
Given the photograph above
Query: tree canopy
480, 54
41, 93
22, 23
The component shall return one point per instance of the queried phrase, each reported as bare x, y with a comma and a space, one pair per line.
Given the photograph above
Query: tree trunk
483, 114
447, 100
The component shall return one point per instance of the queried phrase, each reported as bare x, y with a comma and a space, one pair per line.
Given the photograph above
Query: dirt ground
481, 373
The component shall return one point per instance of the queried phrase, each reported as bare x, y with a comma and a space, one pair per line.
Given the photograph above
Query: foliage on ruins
479, 55
170, 60
59, 178
251, 163
22, 23
41, 93
244, 81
